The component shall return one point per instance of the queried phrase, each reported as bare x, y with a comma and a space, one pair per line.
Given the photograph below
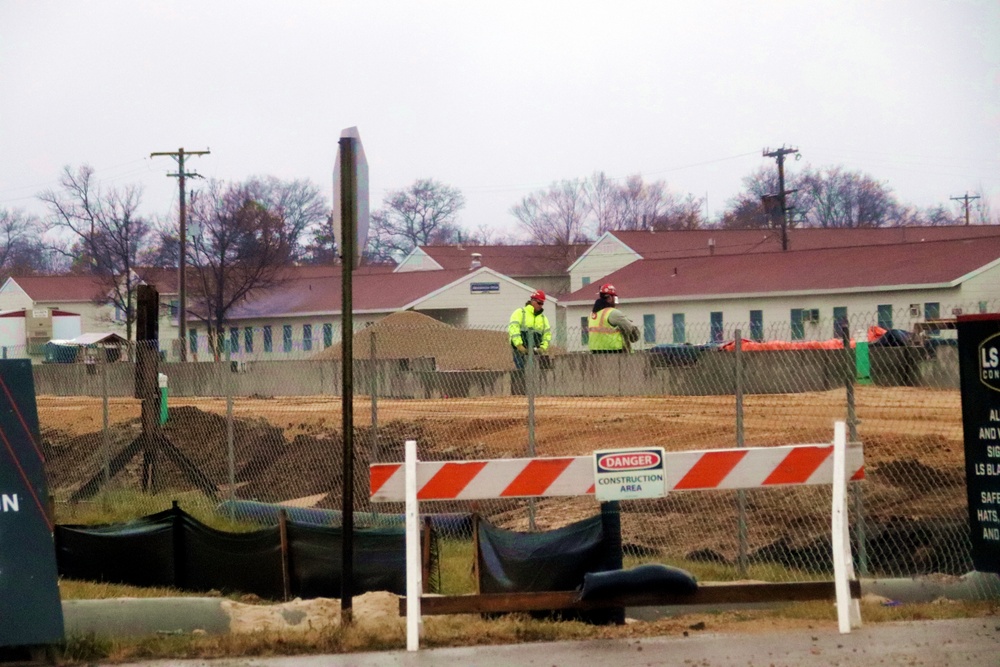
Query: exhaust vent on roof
476, 261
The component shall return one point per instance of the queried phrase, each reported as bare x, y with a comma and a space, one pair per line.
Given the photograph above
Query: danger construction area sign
628, 474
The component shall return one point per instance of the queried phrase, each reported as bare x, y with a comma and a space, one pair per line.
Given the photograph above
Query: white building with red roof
792, 295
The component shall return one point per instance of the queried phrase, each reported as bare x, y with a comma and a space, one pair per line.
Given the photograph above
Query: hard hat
538, 295
608, 290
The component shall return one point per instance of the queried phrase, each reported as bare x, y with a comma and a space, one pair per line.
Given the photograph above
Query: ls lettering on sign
989, 362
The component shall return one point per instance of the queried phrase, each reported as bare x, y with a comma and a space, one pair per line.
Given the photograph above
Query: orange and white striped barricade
744, 468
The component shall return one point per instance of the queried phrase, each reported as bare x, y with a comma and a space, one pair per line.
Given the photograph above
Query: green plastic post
163, 398
862, 362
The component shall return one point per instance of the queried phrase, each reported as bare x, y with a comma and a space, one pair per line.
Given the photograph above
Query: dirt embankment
291, 448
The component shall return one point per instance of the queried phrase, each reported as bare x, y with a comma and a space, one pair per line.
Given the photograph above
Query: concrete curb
130, 617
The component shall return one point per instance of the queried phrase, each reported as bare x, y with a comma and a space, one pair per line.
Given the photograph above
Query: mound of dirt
410, 335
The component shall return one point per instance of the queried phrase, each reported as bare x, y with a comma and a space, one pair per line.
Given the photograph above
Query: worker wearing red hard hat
529, 323
608, 330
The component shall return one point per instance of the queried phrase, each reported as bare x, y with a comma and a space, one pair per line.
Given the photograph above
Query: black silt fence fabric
173, 549
555, 560
229, 562
139, 553
315, 555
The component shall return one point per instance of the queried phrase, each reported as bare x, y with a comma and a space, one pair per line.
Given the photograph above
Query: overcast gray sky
499, 99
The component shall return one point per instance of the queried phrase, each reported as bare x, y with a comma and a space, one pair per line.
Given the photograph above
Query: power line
779, 155
966, 198
178, 155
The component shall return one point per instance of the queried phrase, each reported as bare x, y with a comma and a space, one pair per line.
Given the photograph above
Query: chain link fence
255, 432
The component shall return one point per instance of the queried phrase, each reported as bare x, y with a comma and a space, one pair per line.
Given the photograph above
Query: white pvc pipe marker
414, 572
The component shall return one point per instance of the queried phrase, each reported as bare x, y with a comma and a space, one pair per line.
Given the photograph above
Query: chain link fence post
106, 430
741, 496
373, 389
861, 540
530, 390
230, 444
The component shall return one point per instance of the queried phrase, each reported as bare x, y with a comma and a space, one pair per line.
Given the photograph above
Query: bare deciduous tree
835, 197
21, 248
107, 235
422, 214
746, 209
556, 216
239, 246
303, 211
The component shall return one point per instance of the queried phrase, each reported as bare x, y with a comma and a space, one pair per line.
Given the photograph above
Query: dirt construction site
289, 450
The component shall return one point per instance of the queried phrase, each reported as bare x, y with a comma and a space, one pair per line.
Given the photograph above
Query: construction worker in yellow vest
531, 319
608, 330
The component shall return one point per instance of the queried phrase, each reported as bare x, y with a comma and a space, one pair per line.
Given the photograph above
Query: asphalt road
968, 642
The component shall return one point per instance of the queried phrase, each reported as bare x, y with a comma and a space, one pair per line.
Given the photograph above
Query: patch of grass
84, 648
125, 505
456, 567
75, 589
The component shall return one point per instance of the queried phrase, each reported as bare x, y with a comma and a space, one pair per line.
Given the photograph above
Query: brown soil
290, 448
410, 335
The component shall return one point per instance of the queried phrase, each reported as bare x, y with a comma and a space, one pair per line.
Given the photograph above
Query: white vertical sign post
848, 610
414, 572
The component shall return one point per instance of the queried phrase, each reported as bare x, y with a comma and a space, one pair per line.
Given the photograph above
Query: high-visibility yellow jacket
524, 319
601, 336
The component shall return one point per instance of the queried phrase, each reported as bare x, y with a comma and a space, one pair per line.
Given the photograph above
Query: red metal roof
843, 268
67, 288
510, 260
695, 243
372, 291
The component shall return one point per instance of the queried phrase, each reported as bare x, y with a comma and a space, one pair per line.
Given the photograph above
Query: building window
586, 281
327, 335
307, 337
234, 339
248, 339
584, 331
649, 328
885, 316
795, 321
983, 307
193, 340
174, 308
268, 339
286, 337
715, 323
680, 337
841, 325
932, 310
757, 325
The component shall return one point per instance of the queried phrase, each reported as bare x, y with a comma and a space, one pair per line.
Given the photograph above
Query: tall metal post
348, 221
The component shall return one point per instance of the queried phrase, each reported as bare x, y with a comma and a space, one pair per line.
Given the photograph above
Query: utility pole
967, 198
178, 155
779, 155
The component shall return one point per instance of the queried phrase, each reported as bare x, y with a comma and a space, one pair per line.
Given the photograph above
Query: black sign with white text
30, 609
979, 363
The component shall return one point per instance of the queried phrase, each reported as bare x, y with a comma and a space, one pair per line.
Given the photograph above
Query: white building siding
776, 314
483, 309
12, 297
602, 259
981, 292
